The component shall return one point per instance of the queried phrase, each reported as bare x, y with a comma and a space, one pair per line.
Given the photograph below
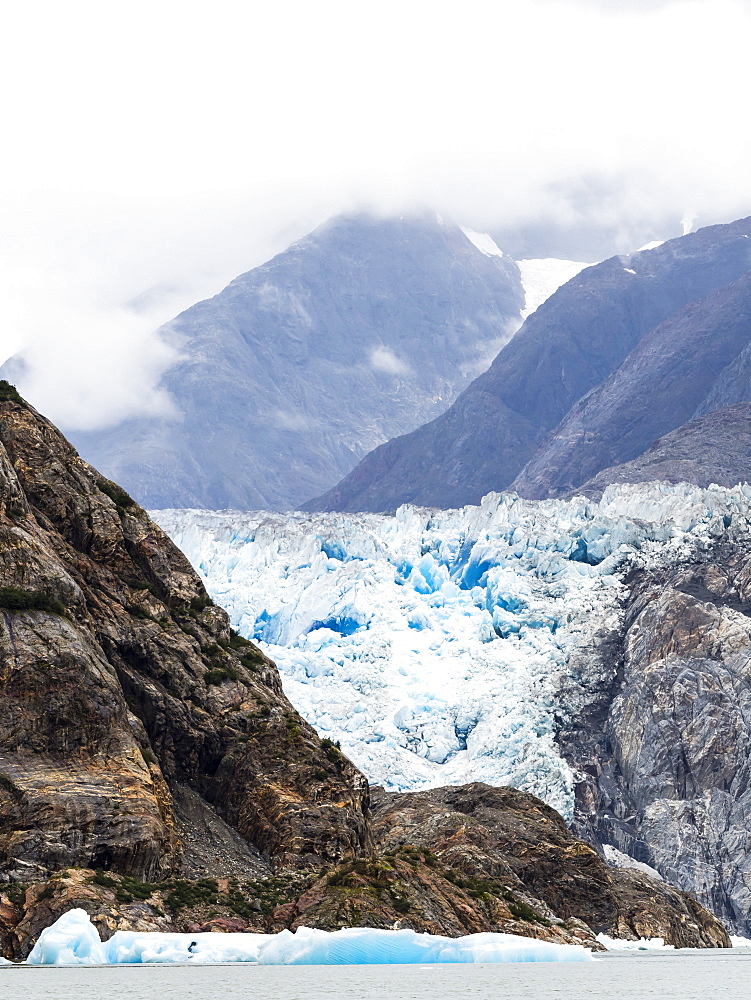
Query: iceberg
73, 940
642, 944
443, 646
372, 946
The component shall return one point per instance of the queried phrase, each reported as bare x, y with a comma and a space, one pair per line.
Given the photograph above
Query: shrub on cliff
16, 599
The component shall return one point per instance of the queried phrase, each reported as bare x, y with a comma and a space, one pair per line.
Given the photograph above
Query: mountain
571, 346
592, 654
715, 448
362, 330
659, 386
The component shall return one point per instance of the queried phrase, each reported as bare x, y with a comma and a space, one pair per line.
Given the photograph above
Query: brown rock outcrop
119, 679
508, 835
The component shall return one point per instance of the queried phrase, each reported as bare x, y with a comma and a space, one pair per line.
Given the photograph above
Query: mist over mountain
566, 392
359, 332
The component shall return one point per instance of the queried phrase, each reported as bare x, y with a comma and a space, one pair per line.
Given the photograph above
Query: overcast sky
165, 147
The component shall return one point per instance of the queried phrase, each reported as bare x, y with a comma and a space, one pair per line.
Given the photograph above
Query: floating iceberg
439, 647
643, 944
73, 940
370, 946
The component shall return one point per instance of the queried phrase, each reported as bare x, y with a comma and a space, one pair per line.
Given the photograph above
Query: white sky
174, 145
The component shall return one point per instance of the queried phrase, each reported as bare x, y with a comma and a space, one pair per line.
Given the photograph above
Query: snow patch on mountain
542, 277
437, 645
617, 859
484, 243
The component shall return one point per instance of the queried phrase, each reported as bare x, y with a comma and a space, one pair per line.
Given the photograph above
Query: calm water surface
689, 975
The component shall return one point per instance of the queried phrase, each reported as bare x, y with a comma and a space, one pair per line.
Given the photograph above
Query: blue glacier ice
440, 647
73, 940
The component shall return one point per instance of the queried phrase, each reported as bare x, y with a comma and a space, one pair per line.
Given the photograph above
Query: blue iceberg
73, 940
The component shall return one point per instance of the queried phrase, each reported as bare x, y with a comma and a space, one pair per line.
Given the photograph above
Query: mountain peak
362, 330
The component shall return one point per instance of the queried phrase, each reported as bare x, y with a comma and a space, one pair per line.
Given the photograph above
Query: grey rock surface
659, 386
359, 332
662, 738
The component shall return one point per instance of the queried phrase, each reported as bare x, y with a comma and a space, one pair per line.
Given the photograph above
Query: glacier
442, 647
73, 940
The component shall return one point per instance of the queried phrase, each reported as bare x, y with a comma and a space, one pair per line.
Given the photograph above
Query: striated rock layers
661, 738
152, 771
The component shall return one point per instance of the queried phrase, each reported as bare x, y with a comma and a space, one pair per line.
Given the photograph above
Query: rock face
361, 331
119, 681
663, 749
450, 861
502, 833
574, 343
715, 448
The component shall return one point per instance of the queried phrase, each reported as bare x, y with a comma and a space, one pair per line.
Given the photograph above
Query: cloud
289, 420
383, 359
176, 147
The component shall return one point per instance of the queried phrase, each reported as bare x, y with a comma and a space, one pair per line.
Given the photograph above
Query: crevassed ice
73, 940
440, 646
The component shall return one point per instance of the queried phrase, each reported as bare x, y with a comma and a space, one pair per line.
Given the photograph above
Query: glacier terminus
441, 647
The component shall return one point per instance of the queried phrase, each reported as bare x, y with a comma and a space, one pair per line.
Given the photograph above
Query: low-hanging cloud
383, 359
225, 145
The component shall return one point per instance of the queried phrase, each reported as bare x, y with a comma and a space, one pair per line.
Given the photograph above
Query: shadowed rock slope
715, 448
571, 345
152, 771
659, 386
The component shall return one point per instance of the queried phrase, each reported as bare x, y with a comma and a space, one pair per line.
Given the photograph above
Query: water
716, 975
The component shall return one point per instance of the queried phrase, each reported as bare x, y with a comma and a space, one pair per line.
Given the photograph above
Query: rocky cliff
121, 680
661, 743
152, 771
